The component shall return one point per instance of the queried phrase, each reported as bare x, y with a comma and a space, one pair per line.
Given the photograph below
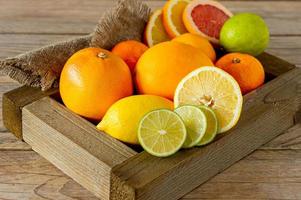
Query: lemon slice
212, 126
213, 87
155, 32
173, 17
195, 122
161, 132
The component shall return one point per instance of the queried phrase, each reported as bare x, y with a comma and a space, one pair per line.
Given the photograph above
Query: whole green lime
245, 33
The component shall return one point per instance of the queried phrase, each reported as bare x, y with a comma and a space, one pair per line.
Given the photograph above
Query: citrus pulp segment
213, 87
155, 32
161, 132
212, 126
206, 18
172, 17
195, 122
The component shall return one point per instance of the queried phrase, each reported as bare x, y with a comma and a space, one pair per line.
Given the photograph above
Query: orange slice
155, 32
172, 17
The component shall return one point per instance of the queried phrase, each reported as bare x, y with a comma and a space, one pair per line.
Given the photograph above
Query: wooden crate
113, 170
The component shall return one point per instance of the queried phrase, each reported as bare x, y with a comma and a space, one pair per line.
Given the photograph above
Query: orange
198, 42
172, 17
155, 32
130, 51
92, 80
161, 68
246, 69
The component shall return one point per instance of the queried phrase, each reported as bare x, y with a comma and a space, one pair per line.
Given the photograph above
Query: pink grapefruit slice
206, 18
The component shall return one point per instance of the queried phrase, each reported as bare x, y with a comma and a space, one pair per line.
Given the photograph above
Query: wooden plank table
272, 172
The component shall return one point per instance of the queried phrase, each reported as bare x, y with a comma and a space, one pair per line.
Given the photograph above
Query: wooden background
272, 172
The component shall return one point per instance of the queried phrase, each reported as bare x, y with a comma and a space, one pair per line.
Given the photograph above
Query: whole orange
92, 80
198, 42
162, 67
130, 51
246, 69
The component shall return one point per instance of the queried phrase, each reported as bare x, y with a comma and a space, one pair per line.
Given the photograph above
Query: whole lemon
162, 67
122, 119
92, 80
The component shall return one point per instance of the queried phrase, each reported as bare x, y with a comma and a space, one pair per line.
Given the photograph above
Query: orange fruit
161, 67
246, 70
172, 17
92, 80
206, 18
155, 32
198, 42
130, 51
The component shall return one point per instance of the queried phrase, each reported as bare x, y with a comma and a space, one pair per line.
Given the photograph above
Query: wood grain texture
26, 175
267, 112
13, 102
73, 144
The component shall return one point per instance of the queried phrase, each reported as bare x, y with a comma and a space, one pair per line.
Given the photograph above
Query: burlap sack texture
42, 67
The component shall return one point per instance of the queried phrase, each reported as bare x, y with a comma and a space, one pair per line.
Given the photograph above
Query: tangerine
130, 51
246, 69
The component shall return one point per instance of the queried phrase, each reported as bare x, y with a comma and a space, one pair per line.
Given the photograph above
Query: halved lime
212, 126
161, 132
196, 124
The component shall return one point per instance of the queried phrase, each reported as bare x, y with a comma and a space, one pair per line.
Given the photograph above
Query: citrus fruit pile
173, 91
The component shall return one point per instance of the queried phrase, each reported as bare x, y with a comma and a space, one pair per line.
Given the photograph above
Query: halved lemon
155, 32
213, 87
162, 132
196, 124
173, 17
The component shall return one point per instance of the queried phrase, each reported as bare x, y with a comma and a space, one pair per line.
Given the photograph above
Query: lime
245, 33
195, 122
212, 126
161, 132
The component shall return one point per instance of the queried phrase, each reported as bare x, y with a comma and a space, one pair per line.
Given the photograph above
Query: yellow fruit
172, 17
197, 41
155, 32
122, 119
161, 68
213, 87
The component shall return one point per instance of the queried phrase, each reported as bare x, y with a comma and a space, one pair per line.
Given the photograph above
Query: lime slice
212, 126
215, 88
195, 122
161, 132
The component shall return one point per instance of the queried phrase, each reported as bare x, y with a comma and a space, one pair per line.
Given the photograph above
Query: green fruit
162, 132
212, 126
195, 122
245, 33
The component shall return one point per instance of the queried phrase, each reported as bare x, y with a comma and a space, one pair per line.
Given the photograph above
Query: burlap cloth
42, 67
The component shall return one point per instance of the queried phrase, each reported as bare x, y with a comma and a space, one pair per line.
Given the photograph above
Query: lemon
212, 126
215, 88
195, 122
162, 133
122, 119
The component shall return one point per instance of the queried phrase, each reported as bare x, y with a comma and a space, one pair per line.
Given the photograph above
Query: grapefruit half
206, 18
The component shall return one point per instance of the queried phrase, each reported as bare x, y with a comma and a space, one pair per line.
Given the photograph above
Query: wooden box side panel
268, 112
14, 101
73, 145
